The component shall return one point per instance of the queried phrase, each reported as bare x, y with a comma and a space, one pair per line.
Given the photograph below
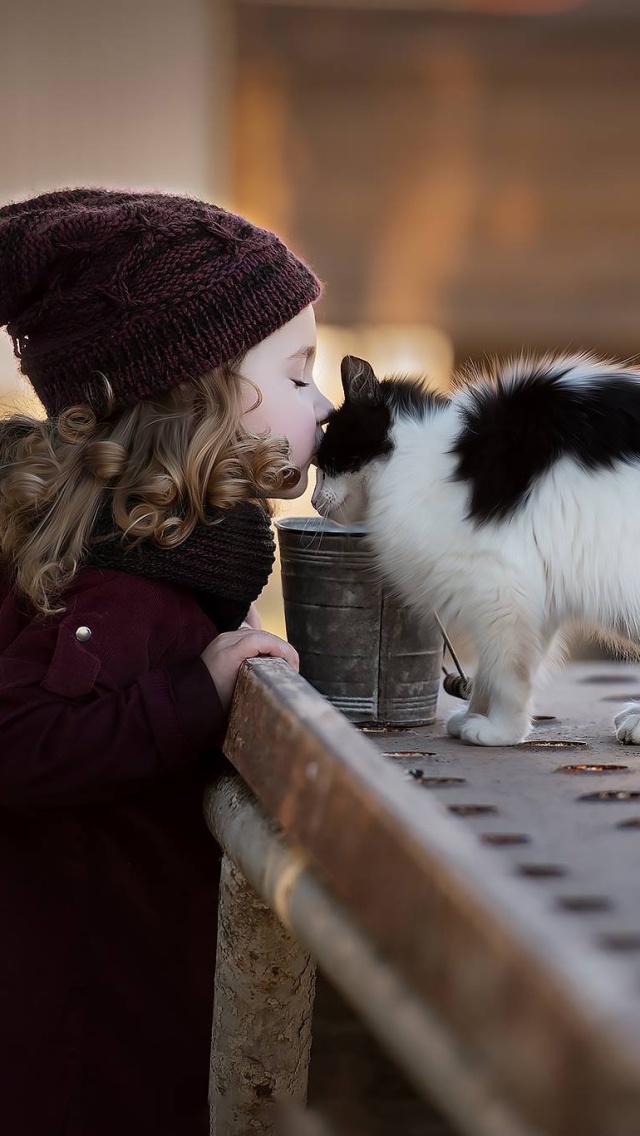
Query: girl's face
282, 369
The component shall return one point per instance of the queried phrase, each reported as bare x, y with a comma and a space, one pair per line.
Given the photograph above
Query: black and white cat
511, 507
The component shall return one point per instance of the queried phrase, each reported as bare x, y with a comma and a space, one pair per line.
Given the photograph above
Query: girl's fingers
266, 644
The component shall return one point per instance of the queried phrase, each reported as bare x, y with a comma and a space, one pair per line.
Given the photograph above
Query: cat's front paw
478, 730
627, 724
455, 723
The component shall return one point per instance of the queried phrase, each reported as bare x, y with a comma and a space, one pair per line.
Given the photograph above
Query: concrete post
261, 1039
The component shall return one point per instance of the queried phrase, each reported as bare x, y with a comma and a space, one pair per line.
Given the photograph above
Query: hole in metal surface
408, 753
435, 782
620, 941
443, 782
541, 871
551, 743
583, 904
630, 822
593, 680
586, 768
504, 838
612, 795
472, 810
371, 728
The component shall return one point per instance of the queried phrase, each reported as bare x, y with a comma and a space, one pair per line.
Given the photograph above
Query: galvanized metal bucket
358, 645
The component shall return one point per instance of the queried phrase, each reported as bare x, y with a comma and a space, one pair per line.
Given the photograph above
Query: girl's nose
323, 410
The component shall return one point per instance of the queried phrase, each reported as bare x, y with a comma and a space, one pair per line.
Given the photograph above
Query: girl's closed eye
299, 383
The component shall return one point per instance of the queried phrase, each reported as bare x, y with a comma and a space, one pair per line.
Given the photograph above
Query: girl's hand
253, 619
225, 655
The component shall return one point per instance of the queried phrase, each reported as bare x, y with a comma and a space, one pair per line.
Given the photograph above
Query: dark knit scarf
226, 565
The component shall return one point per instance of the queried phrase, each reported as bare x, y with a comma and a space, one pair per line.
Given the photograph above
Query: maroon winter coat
108, 876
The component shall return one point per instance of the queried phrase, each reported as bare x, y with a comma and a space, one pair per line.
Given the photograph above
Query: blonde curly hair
161, 462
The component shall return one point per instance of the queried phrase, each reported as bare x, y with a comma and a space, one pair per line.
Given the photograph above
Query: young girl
172, 345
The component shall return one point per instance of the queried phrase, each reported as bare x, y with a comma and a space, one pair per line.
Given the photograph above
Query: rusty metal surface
508, 903
561, 812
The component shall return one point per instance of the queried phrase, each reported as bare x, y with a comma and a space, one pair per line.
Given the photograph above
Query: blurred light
400, 349
18, 397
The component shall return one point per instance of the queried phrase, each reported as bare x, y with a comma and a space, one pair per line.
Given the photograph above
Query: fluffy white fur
570, 553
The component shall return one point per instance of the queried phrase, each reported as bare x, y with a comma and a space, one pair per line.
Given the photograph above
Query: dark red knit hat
150, 289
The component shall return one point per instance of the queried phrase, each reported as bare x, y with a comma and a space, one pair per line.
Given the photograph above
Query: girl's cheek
311, 435
297, 447
302, 438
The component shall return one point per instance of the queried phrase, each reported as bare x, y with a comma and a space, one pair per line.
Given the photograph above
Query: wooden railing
462, 930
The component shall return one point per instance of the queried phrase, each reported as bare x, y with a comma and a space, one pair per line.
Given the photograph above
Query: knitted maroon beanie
150, 289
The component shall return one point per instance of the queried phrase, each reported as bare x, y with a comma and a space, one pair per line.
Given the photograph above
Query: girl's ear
358, 380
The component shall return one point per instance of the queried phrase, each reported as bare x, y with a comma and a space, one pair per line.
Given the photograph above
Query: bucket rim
318, 524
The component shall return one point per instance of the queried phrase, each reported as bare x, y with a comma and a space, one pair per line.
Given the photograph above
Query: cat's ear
358, 380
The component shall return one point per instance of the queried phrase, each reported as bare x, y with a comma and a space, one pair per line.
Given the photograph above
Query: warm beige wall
112, 92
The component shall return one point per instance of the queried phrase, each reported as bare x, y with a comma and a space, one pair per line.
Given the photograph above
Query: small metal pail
366, 652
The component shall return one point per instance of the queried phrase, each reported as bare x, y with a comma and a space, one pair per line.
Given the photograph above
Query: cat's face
356, 438
359, 438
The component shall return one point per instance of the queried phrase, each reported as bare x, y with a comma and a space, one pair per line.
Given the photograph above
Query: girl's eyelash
299, 383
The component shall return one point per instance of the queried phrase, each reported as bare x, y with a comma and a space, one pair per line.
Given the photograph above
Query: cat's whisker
308, 525
312, 544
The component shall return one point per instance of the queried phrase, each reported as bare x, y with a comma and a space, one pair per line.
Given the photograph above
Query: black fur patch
355, 434
358, 432
406, 396
512, 436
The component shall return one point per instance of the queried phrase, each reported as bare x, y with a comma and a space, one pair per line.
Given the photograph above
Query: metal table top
561, 811
502, 884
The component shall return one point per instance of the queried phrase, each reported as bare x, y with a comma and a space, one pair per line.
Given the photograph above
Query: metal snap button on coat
83, 634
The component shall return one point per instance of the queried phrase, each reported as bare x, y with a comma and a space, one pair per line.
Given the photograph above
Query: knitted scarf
226, 565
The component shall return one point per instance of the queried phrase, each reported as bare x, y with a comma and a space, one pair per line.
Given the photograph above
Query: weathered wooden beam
264, 987
553, 1023
283, 877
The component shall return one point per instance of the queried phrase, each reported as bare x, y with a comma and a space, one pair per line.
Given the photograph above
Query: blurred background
464, 175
